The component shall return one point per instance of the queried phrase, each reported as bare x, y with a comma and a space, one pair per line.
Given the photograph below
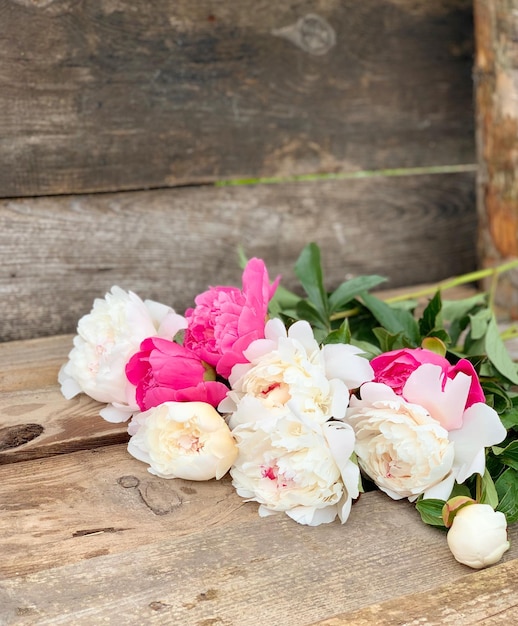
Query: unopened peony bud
453, 506
478, 535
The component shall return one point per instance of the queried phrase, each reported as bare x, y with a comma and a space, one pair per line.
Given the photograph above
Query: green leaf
306, 311
428, 321
460, 490
434, 344
431, 511
309, 271
509, 455
507, 489
282, 301
497, 353
348, 290
500, 399
369, 349
340, 335
393, 320
388, 341
510, 418
487, 493
479, 323
458, 309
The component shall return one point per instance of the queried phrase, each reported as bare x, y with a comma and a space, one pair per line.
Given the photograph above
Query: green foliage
431, 511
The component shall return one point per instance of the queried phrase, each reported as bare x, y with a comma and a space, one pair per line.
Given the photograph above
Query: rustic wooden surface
497, 134
110, 95
58, 254
91, 537
487, 597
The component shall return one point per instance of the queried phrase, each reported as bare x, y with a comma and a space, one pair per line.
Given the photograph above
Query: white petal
343, 362
481, 428
374, 392
311, 516
442, 490
424, 387
302, 332
116, 413
340, 438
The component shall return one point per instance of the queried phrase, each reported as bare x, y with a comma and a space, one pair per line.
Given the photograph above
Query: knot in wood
311, 33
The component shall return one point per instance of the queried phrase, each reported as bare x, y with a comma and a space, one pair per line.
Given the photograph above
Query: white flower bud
478, 536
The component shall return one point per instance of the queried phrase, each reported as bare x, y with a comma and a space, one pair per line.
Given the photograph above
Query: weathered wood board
59, 253
488, 597
496, 65
110, 95
90, 536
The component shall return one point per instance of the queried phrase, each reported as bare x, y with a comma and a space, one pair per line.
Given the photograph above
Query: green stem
509, 333
341, 315
472, 277
478, 489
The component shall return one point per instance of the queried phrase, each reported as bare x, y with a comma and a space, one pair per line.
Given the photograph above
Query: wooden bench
141, 145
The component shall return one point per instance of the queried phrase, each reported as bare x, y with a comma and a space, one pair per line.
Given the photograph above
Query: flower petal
481, 428
446, 405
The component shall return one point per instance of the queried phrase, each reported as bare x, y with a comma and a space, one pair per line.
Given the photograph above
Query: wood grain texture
487, 597
497, 138
35, 419
91, 535
108, 95
57, 254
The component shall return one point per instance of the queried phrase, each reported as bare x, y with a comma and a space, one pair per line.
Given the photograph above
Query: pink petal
425, 387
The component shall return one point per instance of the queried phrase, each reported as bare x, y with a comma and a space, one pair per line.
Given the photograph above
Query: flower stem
471, 277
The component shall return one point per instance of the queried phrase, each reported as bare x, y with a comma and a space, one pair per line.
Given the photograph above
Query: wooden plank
106, 96
58, 254
91, 535
35, 419
487, 597
497, 131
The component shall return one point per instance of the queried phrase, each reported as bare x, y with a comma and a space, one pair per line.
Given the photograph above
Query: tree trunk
496, 90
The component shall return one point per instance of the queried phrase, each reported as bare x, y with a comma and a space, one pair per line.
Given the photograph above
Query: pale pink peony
393, 369
227, 319
188, 440
165, 371
422, 441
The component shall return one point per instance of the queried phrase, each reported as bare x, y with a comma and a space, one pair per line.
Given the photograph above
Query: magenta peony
393, 369
226, 320
165, 371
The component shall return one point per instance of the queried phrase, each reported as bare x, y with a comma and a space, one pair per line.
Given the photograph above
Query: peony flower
393, 369
188, 440
399, 445
165, 371
296, 466
478, 535
411, 448
227, 319
290, 369
106, 339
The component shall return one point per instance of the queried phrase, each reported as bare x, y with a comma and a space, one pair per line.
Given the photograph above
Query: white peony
478, 536
289, 369
107, 337
295, 465
387, 441
188, 440
399, 445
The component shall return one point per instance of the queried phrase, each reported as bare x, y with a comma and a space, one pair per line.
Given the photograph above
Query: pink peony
394, 368
164, 371
226, 320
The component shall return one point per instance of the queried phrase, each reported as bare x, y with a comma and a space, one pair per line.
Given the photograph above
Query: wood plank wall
118, 119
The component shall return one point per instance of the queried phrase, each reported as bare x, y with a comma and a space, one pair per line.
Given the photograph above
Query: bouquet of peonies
302, 398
